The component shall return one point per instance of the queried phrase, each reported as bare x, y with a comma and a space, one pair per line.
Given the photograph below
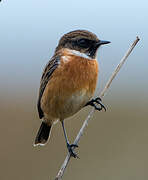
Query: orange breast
73, 75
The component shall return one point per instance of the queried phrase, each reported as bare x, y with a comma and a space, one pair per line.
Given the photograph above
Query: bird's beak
101, 42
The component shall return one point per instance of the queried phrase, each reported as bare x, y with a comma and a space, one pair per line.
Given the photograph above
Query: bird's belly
61, 106
73, 104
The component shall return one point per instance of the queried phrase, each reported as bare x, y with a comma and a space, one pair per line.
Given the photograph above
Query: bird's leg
70, 147
95, 102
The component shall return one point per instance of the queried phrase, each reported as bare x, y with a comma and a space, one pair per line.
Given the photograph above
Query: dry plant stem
64, 165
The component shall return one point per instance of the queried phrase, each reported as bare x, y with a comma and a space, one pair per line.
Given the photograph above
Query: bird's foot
95, 102
71, 148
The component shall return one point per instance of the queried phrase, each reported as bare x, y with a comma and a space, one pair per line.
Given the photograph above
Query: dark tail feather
43, 134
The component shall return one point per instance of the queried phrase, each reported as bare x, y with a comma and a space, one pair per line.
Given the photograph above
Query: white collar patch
78, 53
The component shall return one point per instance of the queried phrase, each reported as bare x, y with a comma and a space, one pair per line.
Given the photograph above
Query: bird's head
81, 40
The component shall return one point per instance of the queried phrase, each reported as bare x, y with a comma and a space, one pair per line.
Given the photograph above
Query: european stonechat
68, 82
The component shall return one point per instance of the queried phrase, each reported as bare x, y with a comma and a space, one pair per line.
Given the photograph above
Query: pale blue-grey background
30, 30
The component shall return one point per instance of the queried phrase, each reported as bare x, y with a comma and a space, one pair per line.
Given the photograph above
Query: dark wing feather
49, 69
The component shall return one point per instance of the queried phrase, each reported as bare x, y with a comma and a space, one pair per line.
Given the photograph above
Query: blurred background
115, 144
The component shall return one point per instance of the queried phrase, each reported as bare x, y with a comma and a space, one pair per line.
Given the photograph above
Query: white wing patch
65, 58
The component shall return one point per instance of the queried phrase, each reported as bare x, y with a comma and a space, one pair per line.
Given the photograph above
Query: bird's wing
49, 69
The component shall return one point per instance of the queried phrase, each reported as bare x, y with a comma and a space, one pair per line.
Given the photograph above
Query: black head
82, 41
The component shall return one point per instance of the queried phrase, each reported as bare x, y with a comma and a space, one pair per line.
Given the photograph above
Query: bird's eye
83, 43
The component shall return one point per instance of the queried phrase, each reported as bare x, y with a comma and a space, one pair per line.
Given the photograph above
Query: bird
68, 83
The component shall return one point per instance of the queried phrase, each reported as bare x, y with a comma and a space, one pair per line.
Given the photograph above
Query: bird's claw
97, 101
71, 148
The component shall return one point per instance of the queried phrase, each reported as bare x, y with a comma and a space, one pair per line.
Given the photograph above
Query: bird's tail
43, 134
